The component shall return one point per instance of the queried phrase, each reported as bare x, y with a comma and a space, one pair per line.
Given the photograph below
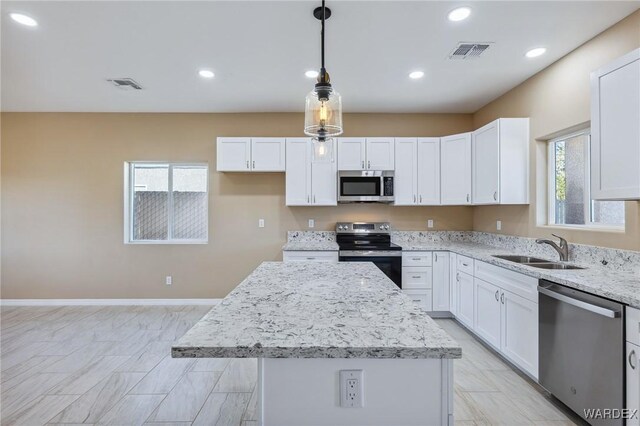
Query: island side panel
305, 392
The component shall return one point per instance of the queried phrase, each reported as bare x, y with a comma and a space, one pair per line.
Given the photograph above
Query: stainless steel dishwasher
581, 342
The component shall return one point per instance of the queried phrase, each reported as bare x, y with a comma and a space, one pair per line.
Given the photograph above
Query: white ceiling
260, 50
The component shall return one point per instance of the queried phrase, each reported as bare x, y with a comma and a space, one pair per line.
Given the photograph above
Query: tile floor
111, 365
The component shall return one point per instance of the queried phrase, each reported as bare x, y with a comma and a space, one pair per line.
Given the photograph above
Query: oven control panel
363, 228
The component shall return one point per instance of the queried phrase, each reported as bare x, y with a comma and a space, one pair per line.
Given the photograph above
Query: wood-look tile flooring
112, 365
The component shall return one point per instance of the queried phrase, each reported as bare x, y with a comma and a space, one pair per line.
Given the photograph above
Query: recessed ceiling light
534, 53
311, 74
206, 74
24, 19
416, 74
459, 14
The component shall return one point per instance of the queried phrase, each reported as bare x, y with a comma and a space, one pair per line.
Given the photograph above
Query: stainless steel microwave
366, 186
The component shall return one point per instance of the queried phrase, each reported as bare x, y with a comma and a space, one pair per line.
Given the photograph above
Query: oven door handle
610, 313
369, 253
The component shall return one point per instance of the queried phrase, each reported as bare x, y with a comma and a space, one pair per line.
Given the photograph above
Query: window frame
588, 201
129, 189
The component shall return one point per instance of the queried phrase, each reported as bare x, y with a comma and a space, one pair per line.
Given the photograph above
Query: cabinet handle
308, 199
254, 164
420, 198
435, 255
464, 264
458, 277
314, 199
311, 258
369, 164
633, 360
467, 198
414, 198
416, 277
495, 196
247, 164
502, 298
363, 164
497, 295
416, 258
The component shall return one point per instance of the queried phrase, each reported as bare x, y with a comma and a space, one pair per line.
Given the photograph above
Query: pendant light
323, 109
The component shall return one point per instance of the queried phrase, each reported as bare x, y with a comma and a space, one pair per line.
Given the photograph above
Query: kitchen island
305, 322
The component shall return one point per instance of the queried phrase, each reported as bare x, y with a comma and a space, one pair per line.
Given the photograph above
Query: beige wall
556, 99
62, 201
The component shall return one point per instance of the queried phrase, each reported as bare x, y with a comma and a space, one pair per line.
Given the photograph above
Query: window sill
168, 242
590, 228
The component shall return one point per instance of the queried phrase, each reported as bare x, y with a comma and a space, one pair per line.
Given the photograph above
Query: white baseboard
106, 302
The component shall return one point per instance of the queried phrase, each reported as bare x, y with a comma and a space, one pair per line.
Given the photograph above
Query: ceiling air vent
125, 83
469, 50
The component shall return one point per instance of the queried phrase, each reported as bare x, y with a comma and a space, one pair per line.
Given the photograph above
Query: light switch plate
168, 280
430, 223
260, 223
312, 223
498, 225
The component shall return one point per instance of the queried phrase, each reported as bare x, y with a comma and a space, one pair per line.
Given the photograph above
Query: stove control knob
386, 227
381, 227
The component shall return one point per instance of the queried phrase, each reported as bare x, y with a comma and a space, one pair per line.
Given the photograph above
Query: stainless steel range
370, 242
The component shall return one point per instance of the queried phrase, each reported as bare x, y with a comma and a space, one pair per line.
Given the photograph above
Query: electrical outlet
498, 225
168, 280
430, 223
351, 389
260, 223
312, 223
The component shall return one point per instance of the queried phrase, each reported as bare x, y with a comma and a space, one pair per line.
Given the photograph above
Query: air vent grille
125, 83
469, 50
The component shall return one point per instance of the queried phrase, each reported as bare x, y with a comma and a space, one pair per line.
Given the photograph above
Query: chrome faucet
562, 249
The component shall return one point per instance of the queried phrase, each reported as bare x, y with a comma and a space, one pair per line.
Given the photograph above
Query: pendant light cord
322, 35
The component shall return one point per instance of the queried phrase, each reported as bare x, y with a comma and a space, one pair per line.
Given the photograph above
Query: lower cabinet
453, 297
487, 312
417, 278
441, 282
420, 297
310, 256
465, 299
519, 331
633, 382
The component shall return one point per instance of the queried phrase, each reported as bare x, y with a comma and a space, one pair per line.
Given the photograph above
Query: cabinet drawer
310, 256
515, 282
464, 264
417, 258
633, 325
417, 277
420, 297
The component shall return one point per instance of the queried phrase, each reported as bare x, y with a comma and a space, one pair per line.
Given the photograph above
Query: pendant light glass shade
323, 117
322, 150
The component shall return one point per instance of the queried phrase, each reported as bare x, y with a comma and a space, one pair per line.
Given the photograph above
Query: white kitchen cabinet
441, 282
406, 172
487, 312
233, 155
310, 256
352, 153
633, 382
500, 162
366, 153
464, 294
420, 297
417, 278
455, 166
615, 129
519, 331
250, 155
268, 154
453, 298
428, 171
380, 153
308, 183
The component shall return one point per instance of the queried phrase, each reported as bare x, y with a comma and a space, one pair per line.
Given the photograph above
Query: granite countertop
317, 310
311, 246
621, 286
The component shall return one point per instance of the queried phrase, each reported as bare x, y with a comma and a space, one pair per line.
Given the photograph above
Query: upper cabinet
366, 153
309, 183
615, 129
455, 163
417, 171
500, 162
251, 154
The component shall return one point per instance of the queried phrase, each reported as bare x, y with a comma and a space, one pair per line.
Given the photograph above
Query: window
166, 203
570, 200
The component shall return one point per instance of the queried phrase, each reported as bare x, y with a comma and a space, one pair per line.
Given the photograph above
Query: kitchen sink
553, 265
521, 259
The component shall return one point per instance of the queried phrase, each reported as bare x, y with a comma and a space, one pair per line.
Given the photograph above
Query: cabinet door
633, 382
351, 153
380, 153
268, 154
420, 297
615, 129
487, 312
405, 181
486, 164
298, 172
453, 294
519, 335
441, 281
324, 182
428, 171
465, 298
233, 155
455, 163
